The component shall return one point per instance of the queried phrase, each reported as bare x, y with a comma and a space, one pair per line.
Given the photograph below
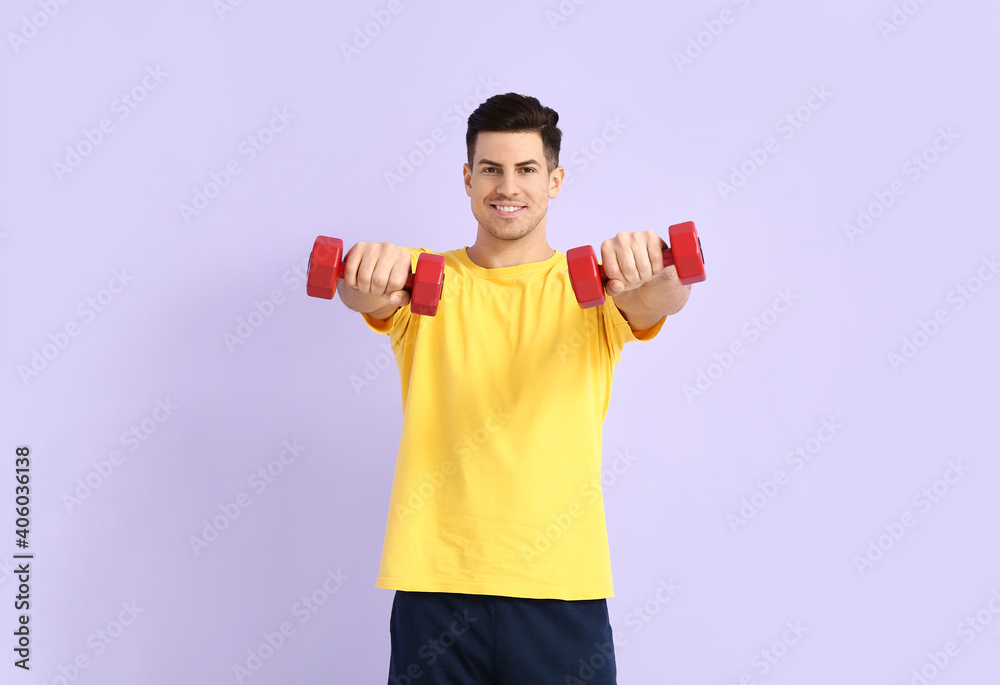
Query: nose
508, 186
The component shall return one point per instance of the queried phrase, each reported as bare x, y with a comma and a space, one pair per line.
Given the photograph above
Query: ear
556, 179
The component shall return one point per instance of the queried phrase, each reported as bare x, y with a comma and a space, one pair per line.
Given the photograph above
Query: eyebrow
530, 162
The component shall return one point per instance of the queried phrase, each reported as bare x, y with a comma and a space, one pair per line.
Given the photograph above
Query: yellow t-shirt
497, 483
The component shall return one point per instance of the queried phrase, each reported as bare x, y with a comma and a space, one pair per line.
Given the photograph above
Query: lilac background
164, 335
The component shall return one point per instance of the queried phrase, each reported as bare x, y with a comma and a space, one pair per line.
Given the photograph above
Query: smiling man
496, 543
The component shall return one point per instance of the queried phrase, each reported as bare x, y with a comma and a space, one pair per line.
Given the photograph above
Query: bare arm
646, 305
373, 305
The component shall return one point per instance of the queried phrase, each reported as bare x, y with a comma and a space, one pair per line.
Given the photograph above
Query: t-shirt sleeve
619, 331
382, 325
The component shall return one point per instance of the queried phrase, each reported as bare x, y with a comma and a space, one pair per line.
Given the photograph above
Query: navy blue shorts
443, 638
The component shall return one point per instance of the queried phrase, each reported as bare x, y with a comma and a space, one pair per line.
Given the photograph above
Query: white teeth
507, 208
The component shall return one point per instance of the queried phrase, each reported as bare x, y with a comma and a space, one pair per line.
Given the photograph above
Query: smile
508, 210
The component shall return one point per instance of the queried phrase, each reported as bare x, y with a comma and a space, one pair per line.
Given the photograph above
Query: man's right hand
374, 276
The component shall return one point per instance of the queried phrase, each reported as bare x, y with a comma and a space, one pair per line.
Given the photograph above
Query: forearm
662, 296
364, 302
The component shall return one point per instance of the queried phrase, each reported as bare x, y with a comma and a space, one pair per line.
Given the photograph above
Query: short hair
514, 113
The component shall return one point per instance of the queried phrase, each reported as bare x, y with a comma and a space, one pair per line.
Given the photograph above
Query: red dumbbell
684, 252
326, 268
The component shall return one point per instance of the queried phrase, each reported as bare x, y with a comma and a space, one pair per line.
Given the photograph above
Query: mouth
507, 209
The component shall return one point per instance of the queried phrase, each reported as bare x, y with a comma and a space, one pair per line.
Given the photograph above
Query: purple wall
839, 159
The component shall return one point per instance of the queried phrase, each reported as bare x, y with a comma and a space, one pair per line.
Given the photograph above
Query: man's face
509, 184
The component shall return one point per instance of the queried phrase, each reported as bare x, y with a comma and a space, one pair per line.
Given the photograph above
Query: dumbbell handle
339, 270
424, 282
409, 278
668, 260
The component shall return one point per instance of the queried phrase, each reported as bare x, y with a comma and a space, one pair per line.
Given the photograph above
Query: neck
491, 252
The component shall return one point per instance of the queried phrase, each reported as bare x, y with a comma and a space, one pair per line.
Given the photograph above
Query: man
496, 543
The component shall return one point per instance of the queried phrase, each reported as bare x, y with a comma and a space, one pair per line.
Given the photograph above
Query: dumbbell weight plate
324, 267
685, 246
427, 283
585, 276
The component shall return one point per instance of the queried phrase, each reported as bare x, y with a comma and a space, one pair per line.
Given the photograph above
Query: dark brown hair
511, 112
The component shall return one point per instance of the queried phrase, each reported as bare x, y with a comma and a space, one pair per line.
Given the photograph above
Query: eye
528, 168
489, 168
